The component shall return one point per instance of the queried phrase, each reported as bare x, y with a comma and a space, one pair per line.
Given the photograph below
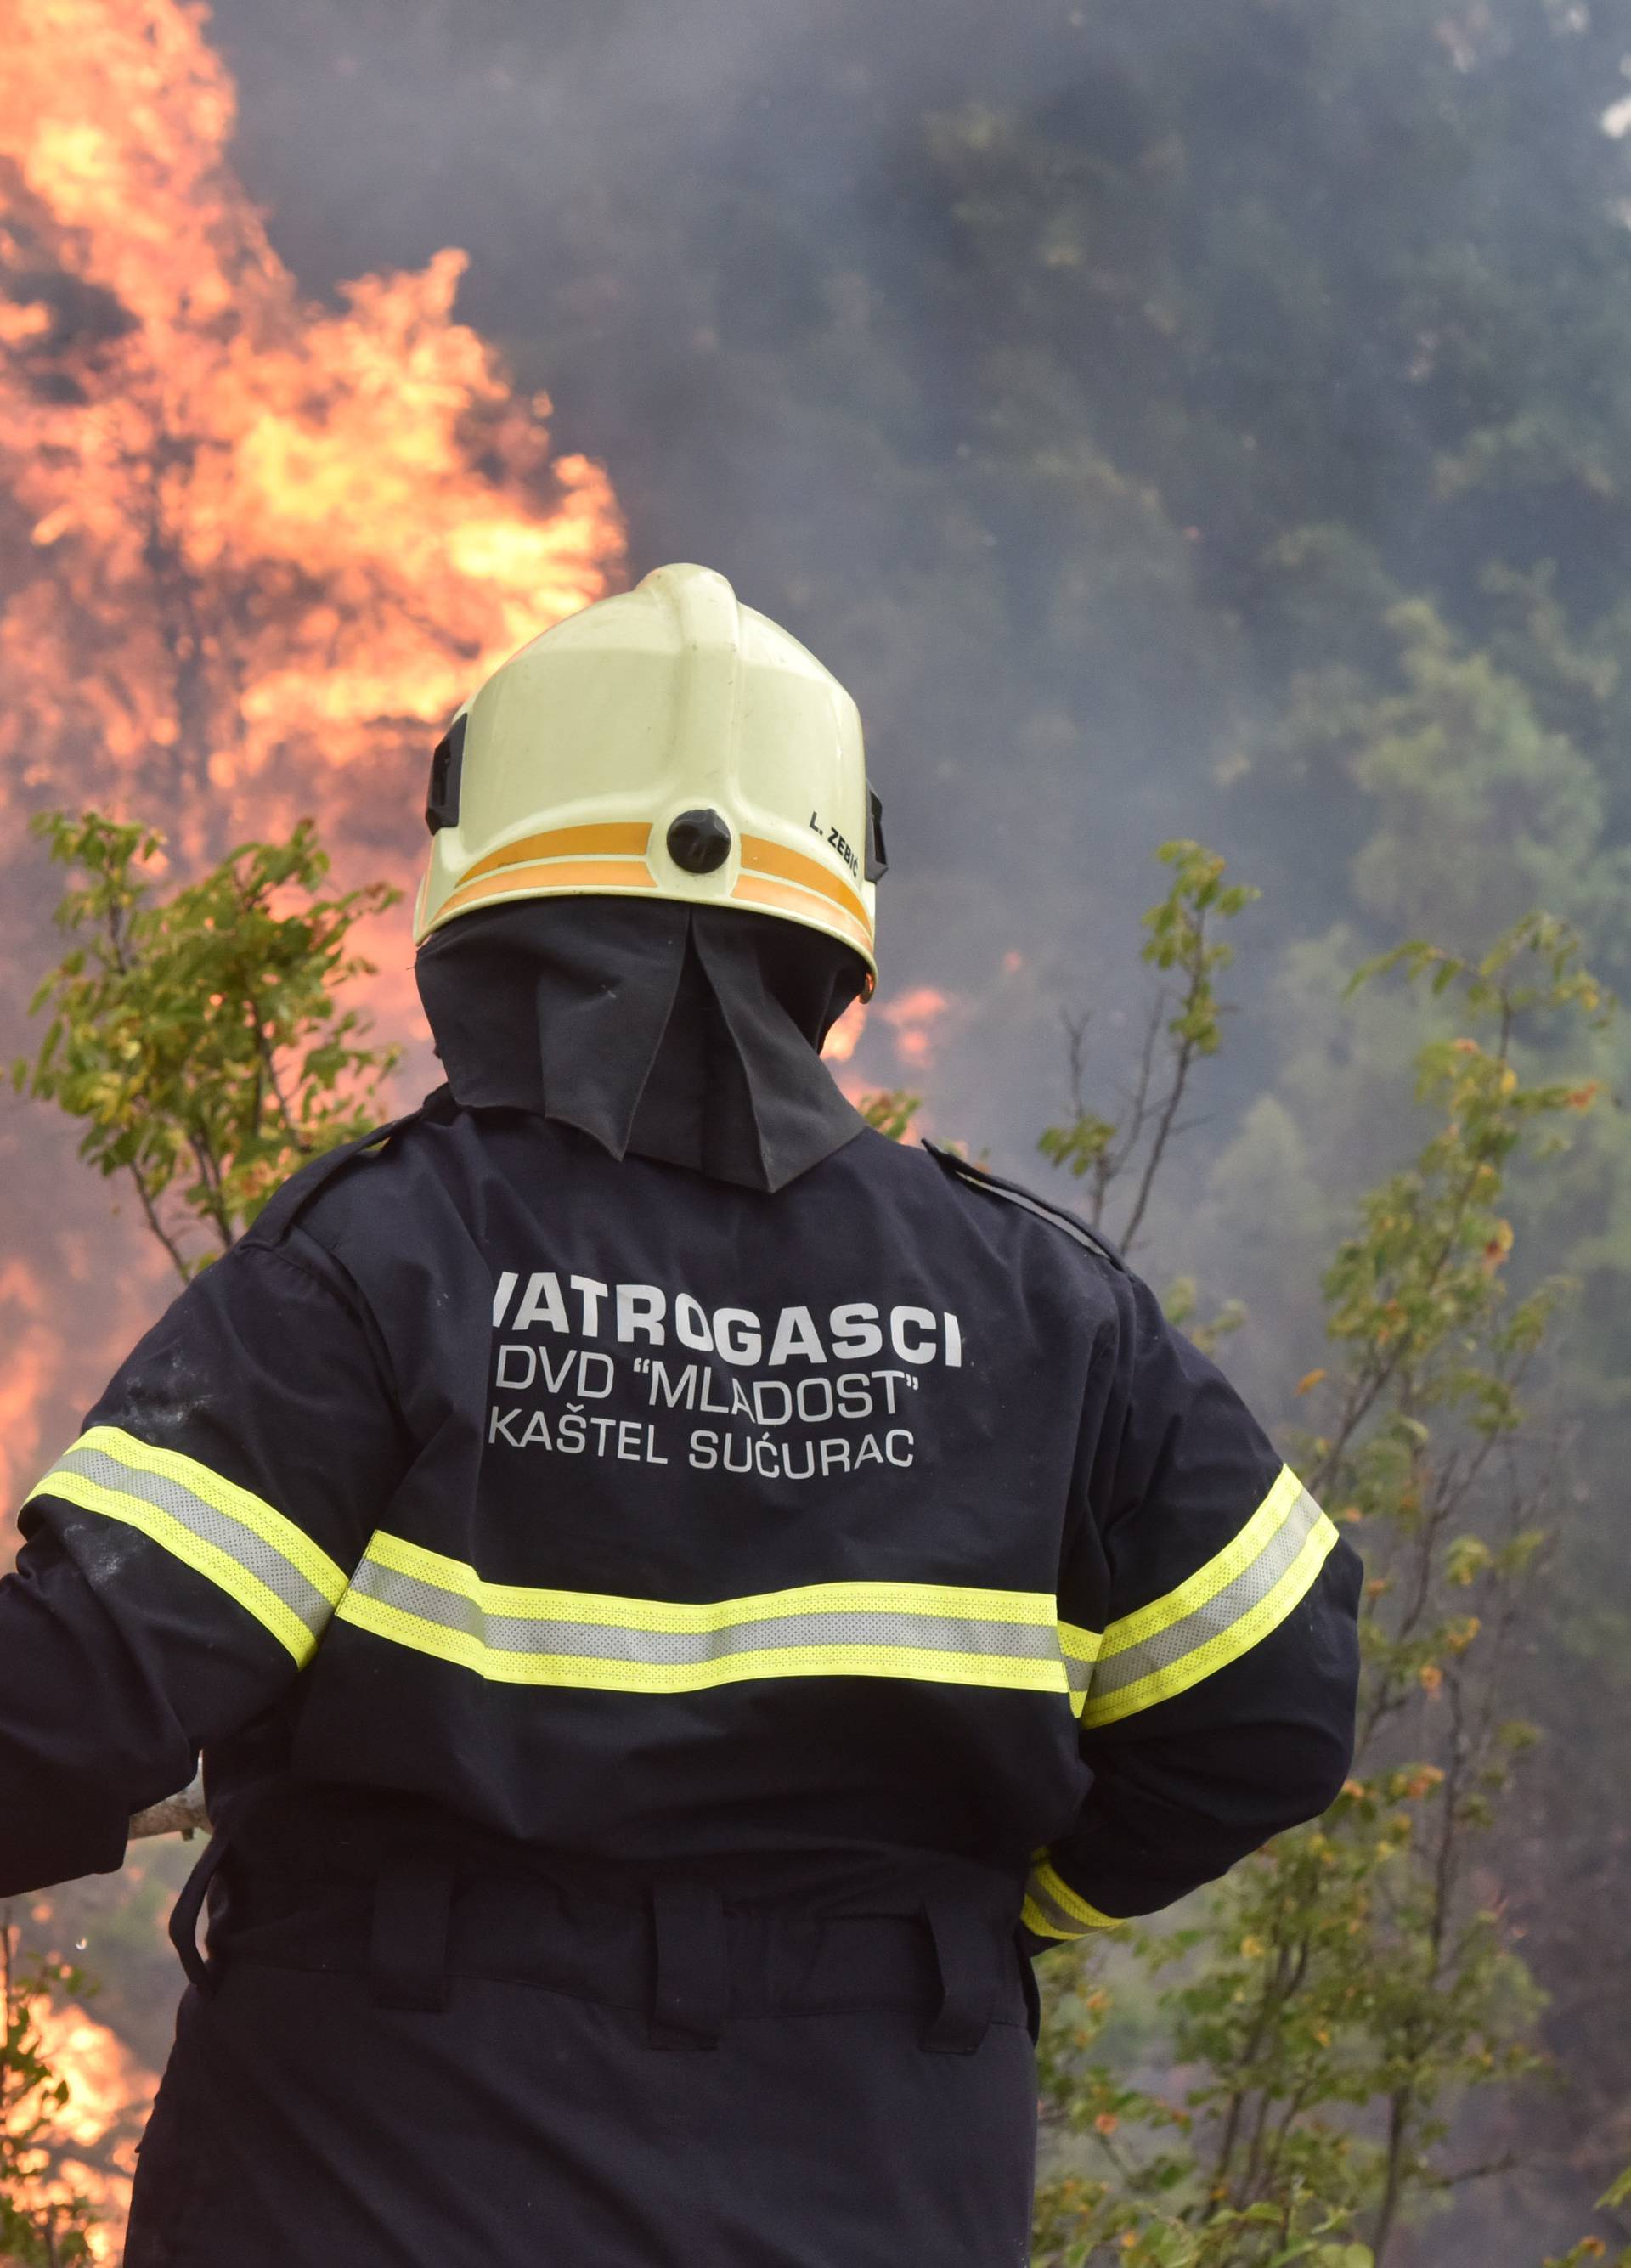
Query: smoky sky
709, 234
722, 239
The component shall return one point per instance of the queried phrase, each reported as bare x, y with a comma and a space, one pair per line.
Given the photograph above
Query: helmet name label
836, 841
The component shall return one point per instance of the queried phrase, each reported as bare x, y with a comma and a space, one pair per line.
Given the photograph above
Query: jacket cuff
1054, 1911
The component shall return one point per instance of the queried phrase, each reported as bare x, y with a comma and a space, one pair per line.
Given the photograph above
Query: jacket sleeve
1213, 1607
182, 1559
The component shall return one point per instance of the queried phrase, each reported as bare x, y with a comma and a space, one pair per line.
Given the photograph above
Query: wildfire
839, 1044
256, 547
253, 551
33, 1352
91, 2145
910, 1018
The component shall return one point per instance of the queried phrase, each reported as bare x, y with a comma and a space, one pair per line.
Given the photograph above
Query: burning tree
253, 549
254, 545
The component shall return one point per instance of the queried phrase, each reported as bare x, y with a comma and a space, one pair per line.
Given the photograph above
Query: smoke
856, 307
721, 239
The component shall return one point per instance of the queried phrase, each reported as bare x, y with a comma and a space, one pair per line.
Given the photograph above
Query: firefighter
678, 1596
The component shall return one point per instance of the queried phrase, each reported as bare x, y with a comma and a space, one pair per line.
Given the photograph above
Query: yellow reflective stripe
231, 1536
205, 1558
289, 1542
1052, 1909
1079, 1648
1032, 1608
512, 1634
1207, 1581
498, 1667
1262, 1610
1047, 1878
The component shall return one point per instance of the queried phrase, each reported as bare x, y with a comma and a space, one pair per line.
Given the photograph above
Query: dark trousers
496, 2073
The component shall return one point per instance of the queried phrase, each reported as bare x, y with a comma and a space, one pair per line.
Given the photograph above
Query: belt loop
408, 1953
185, 1912
967, 1958
691, 1988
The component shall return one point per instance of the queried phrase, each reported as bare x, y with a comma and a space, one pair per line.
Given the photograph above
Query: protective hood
686, 1033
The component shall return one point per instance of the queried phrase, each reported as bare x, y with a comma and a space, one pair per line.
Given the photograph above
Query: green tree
198, 1038
1182, 1027
1340, 1994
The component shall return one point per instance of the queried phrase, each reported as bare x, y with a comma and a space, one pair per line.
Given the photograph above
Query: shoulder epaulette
977, 1178
287, 1202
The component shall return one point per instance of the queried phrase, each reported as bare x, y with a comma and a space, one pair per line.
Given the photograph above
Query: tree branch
181, 1814
151, 1212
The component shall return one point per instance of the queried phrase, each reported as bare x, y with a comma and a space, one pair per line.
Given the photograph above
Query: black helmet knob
699, 841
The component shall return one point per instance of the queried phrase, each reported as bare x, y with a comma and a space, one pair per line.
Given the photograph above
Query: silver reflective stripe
1053, 1912
1216, 1615
452, 1610
238, 1542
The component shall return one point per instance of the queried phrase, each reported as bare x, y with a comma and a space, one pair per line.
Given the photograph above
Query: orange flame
89, 2149
921, 1006
257, 549
839, 1044
267, 541
910, 1018
33, 1355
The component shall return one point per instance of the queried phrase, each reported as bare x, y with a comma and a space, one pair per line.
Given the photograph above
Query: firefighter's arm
182, 1557
1218, 1605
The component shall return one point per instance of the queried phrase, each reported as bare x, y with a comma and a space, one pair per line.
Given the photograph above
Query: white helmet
667, 743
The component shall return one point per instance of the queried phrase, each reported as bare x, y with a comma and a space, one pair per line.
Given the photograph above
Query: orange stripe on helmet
611, 839
546, 878
765, 857
807, 905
